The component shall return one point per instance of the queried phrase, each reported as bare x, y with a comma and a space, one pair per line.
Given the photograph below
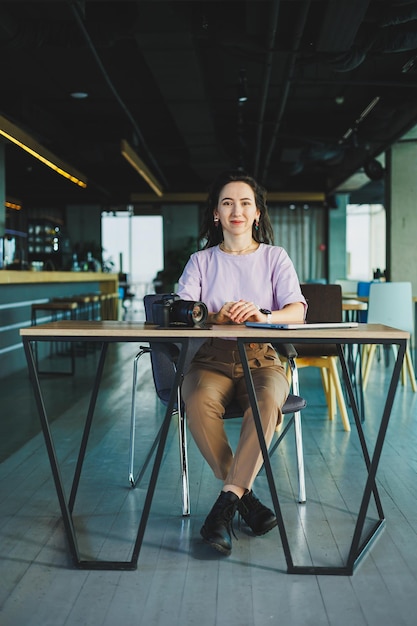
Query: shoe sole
216, 546
265, 531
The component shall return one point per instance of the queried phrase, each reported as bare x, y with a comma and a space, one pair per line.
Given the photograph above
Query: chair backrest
363, 288
324, 305
324, 302
348, 286
363, 292
162, 356
391, 304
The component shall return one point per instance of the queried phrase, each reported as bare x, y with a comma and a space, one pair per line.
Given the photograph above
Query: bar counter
20, 289
108, 282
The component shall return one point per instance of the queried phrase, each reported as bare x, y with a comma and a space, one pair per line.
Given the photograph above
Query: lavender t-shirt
266, 277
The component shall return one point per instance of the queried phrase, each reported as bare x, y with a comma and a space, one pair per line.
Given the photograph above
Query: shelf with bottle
43, 238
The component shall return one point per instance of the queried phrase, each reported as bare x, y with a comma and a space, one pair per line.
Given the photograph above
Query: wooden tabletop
129, 331
353, 304
349, 296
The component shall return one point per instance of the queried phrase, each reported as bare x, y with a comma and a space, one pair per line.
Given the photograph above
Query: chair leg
339, 393
292, 377
332, 395
182, 439
329, 391
288, 373
368, 364
365, 355
182, 436
298, 436
406, 368
133, 415
300, 457
410, 368
404, 373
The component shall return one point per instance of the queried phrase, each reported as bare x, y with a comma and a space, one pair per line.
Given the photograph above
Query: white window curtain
301, 231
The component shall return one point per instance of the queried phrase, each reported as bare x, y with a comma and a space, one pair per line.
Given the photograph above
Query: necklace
223, 247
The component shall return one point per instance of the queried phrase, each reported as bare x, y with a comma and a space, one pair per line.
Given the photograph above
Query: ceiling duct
341, 25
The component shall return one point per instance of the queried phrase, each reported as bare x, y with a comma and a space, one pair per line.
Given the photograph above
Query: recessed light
79, 95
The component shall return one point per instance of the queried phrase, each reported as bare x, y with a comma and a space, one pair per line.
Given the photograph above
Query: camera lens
172, 311
199, 313
188, 313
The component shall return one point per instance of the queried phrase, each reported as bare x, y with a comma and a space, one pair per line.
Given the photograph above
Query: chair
348, 286
324, 305
56, 310
163, 363
363, 292
391, 304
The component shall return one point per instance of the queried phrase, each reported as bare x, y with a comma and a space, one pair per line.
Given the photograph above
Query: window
134, 244
300, 230
365, 240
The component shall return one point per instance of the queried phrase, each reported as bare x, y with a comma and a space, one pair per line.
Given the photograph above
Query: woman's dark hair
214, 234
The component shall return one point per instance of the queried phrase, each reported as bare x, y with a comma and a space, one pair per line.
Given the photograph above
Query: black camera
172, 311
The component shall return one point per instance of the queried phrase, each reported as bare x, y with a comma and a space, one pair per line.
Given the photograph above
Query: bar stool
113, 305
80, 308
90, 310
109, 309
57, 310
84, 306
103, 306
81, 313
95, 306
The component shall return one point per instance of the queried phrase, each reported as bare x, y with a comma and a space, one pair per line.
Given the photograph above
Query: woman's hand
222, 317
244, 311
237, 313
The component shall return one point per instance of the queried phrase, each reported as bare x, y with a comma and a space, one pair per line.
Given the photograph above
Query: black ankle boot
217, 528
257, 516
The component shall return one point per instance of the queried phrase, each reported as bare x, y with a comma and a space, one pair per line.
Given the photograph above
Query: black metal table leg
267, 464
87, 427
358, 548
66, 515
66, 508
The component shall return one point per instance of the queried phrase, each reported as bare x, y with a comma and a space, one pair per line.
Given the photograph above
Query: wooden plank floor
179, 580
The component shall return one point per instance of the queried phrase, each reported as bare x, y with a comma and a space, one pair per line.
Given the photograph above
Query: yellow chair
391, 304
324, 305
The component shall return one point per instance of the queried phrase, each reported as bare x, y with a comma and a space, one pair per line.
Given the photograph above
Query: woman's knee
273, 390
202, 407
207, 389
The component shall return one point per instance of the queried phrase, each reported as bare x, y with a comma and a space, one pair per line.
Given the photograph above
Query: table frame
114, 332
357, 549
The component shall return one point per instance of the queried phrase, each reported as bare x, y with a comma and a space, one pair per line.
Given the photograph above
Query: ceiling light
242, 96
79, 95
136, 162
242, 90
11, 203
29, 144
374, 170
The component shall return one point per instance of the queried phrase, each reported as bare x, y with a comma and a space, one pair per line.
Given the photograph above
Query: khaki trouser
214, 378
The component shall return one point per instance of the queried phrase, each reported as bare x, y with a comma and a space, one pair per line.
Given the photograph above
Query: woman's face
236, 208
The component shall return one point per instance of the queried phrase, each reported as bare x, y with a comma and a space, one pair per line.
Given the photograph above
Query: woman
240, 276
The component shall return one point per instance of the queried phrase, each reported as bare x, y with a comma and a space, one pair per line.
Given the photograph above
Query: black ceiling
330, 84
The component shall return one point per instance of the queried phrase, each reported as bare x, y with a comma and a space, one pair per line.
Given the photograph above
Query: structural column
401, 207
2, 193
